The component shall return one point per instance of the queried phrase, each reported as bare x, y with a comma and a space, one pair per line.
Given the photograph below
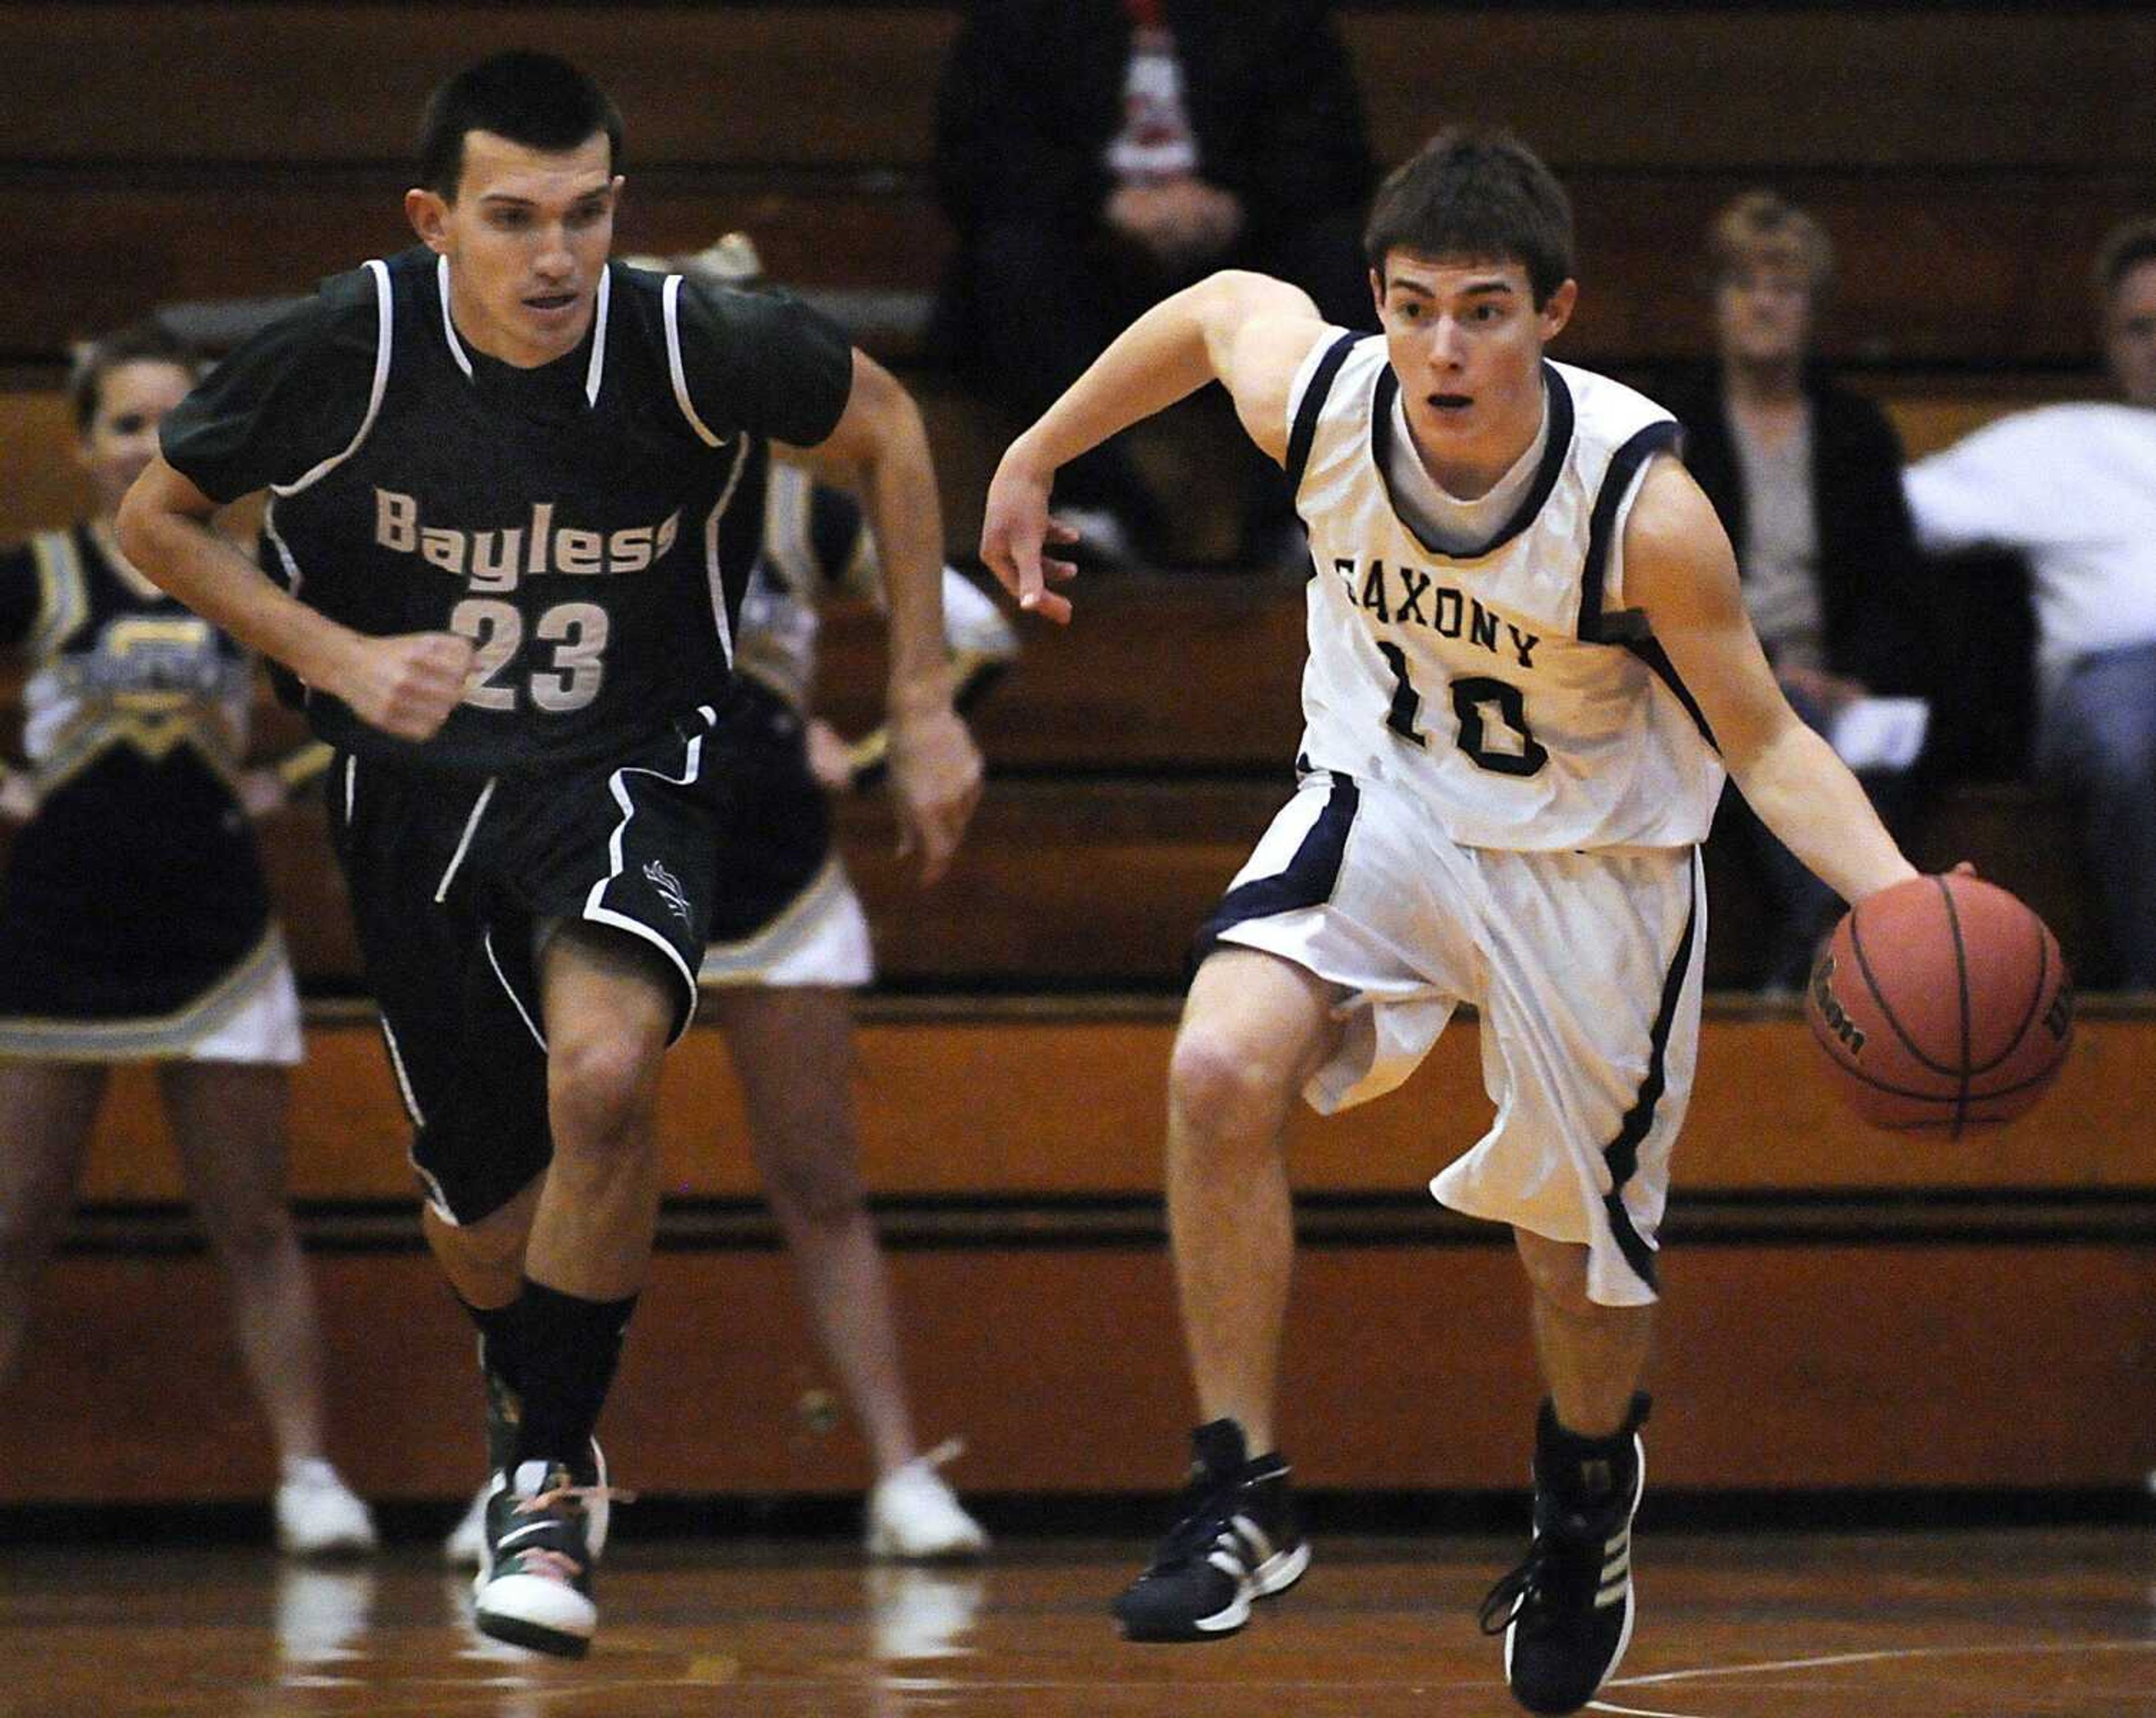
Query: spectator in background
134, 925
2073, 488
1097, 155
1806, 477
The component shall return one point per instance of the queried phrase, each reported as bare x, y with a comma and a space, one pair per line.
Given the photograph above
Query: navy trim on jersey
1628, 627
1554, 453
1305, 432
1622, 1154
1307, 881
1594, 628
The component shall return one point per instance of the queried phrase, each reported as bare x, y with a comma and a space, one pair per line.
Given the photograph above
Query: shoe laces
1207, 1524
550, 1561
1560, 1566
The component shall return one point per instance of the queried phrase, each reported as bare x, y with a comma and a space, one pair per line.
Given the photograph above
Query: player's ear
1557, 309
430, 215
1378, 289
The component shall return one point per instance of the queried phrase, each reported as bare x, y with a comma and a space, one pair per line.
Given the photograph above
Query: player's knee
1556, 1270
1221, 1087
600, 1087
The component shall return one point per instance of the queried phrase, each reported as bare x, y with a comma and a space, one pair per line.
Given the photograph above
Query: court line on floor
1883, 1655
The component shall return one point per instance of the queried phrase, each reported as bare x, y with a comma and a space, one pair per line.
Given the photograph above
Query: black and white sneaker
1567, 1612
546, 1527
1236, 1542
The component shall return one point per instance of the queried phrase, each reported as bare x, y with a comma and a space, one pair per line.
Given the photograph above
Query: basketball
1944, 1005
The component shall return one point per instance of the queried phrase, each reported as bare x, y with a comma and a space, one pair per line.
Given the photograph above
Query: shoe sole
533, 1635
1631, 1600
1272, 1577
569, 1636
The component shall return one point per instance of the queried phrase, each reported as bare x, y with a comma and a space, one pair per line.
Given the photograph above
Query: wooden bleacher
1975, 1314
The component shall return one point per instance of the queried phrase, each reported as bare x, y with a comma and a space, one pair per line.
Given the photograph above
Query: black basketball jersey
588, 524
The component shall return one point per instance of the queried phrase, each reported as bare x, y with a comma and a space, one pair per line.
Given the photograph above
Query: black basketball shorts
776, 838
453, 876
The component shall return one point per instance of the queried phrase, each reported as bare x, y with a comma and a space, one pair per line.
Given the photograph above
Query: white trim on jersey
714, 572
449, 327
670, 299
285, 555
350, 784
597, 368
385, 325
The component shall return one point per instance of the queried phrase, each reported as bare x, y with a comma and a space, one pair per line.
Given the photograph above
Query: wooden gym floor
2015, 1623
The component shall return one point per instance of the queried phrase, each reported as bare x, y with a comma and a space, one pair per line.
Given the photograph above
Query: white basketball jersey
1508, 689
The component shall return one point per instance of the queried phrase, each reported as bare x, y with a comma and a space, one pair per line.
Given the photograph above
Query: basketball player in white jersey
1529, 668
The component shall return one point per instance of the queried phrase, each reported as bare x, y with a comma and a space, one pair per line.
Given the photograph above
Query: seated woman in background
1807, 478
134, 925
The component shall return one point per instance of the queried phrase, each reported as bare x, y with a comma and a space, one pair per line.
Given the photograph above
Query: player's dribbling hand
935, 784
1016, 531
408, 685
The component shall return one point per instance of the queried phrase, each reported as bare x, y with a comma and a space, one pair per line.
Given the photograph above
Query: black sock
1586, 1472
570, 1348
500, 1339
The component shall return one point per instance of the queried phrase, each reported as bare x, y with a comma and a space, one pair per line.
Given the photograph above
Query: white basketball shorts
1586, 968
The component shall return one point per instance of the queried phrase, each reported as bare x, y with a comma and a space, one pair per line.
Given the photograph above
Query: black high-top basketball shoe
1236, 1542
545, 1527
1567, 1612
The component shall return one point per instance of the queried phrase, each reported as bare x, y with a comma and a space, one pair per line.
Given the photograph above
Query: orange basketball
1943, 1004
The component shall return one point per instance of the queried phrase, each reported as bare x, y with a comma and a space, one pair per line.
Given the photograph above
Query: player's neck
1467, 473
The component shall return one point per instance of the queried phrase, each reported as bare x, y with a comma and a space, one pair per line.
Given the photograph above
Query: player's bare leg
608, 1003
1255, 1030
1593, 1357
46, 1112
228, 1121
792, 1049
1566, 1612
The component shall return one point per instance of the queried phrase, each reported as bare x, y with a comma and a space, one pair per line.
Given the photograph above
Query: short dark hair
2124, 248
1476, 192
138, 343
536, 100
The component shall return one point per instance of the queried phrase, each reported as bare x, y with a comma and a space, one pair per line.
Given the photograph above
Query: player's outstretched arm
1248, 331
879, 453
405, 685
1679, 568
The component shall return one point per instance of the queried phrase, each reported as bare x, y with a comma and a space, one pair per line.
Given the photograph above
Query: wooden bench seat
1883, 1296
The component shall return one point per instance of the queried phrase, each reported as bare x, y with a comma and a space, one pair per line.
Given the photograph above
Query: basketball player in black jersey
513, 492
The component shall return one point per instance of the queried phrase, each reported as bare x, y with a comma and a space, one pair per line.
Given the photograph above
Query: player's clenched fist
408, 685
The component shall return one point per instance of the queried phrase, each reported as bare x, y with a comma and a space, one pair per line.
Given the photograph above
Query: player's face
2130, 334
527, 237
1763, 315
121, 436
1465, 339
